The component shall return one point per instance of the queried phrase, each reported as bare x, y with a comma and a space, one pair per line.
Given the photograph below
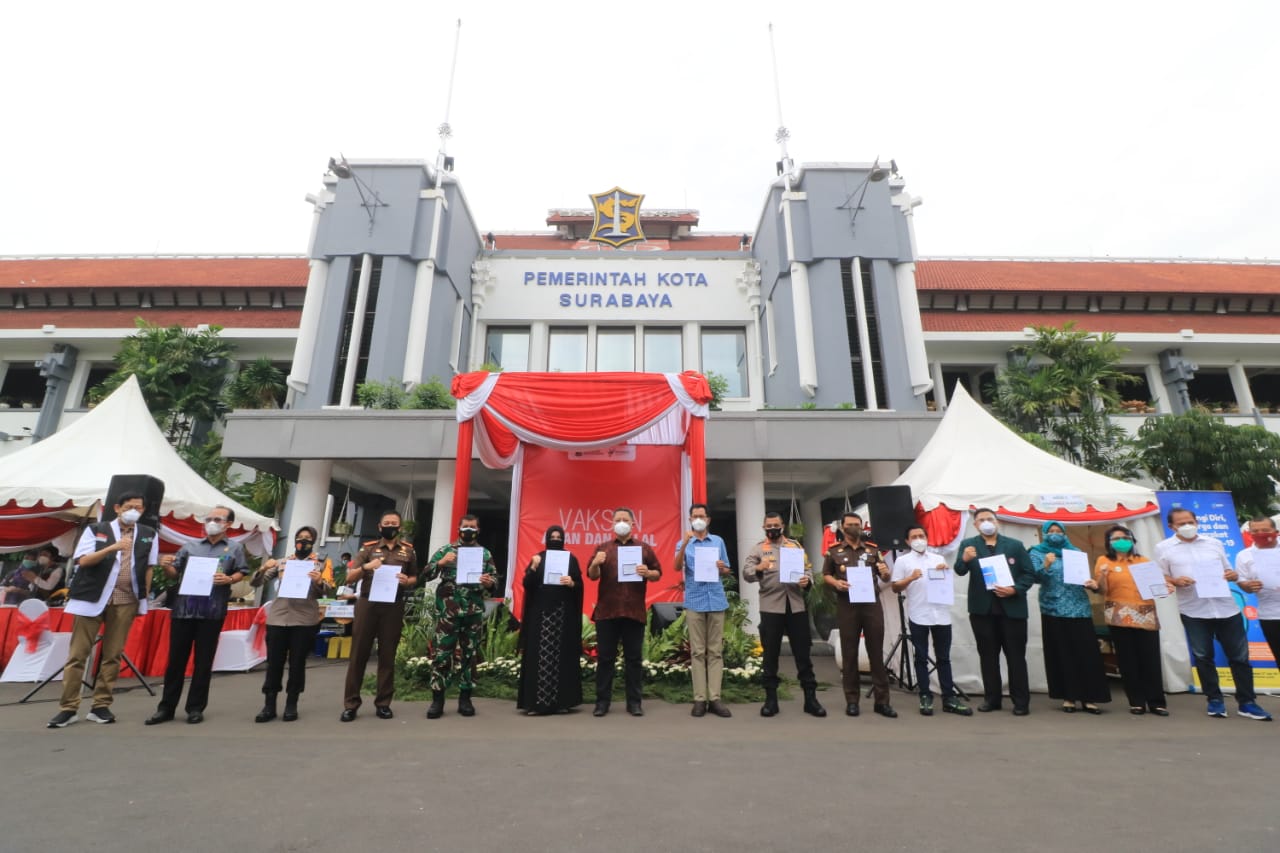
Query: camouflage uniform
460, 613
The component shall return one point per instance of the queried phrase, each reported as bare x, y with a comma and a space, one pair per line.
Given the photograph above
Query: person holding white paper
1259, 570
913, 573
998, 615
460, 599
852, 554
782, 611
699, 554
1072, 659
620, 612
196, 620
292, 623
1130, 612
551, 630
1181, 557
378, 620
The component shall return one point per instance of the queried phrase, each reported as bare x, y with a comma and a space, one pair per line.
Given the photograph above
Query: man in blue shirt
704, 608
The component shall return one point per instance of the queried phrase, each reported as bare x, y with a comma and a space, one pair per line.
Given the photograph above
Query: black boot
436, 711
811, 704
268, 712
770, 706
290, 707
465, 708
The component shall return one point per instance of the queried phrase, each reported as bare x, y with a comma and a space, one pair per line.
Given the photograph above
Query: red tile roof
153, 272
94, 318
556, 243
1098, 276
1136, 322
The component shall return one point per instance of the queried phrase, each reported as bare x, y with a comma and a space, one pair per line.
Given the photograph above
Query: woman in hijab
550, 667
1072, 659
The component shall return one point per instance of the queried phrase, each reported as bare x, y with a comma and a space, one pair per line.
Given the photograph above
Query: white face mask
621, 528
213, 528
918, 545
987, 527
698, 525
130, 516
1187, 531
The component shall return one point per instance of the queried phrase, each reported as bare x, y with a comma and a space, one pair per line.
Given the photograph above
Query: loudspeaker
152, 490
892, 511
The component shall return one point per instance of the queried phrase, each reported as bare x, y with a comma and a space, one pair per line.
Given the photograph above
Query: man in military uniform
782, 610
459, 618
378, 620
855, 554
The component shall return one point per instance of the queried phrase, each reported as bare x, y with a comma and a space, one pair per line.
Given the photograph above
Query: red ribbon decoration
31, 630
260, 637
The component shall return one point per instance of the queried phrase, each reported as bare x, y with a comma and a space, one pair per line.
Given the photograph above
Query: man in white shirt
927, 614
1182, 557
1263, 580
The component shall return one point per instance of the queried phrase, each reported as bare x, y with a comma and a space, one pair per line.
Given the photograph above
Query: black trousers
608, 633
1271, 631
184, 635
1138, 655
941, 658
796, 628
997, 634
295, 643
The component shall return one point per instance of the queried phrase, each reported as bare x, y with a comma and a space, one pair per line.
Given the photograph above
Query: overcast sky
1127, 128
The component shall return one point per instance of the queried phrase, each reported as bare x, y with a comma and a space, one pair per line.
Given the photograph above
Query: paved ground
501, 781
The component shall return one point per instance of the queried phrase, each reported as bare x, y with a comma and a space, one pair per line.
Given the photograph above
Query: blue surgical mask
1057, 540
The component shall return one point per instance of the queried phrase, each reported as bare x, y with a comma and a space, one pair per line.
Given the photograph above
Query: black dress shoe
634, 709
159, 717
1021, 712
195, 717
1160, 712
348, 715
699, 709
290, 712
266, 715
383, 712
885, 710
852, 709
987, 707
719, 708
601, 709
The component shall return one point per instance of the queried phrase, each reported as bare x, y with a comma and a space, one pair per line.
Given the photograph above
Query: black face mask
389, 533
555, 544
302, 548
468, 534
774, 533
853, 532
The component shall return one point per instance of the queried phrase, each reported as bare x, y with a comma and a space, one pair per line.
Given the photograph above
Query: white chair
235, 648
49, 656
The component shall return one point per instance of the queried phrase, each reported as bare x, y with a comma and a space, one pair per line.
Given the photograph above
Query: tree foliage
1198, 451
258, 385
391, 395
1059, 392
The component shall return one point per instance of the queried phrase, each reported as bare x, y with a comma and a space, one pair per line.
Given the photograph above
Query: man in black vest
110, 587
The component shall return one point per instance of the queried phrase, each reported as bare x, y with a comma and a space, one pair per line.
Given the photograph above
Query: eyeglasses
773, 528
217, 519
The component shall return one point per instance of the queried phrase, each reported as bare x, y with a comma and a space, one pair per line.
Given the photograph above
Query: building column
1155, 385
939, 386
310, 497
442, 506
748, 503
883, 471
1240, 385
811, 515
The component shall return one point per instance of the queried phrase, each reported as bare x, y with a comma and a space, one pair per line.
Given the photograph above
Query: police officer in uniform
853, 553
378, 620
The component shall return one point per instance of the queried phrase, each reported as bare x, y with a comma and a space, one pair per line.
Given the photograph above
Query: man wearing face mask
1263, 532
704, 607
998, 615
912, 573
620, 612
110, 588
196, 620
1206, 619
855, 554
782, 610
378, 620
459, 619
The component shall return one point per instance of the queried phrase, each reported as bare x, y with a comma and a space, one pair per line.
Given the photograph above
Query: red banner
580, 490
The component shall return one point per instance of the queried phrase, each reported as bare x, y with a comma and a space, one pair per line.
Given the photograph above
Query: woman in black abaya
550, 667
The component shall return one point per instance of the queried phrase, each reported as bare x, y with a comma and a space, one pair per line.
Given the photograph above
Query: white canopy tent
65, 477
973, 461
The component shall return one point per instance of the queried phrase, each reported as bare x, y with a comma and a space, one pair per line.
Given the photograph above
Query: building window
507, 347
615, 349
98, 374
23, 387
567, 350
349, 321
663, 350
1211, 387
724, 352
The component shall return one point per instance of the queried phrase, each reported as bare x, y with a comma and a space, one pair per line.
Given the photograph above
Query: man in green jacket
998, 609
